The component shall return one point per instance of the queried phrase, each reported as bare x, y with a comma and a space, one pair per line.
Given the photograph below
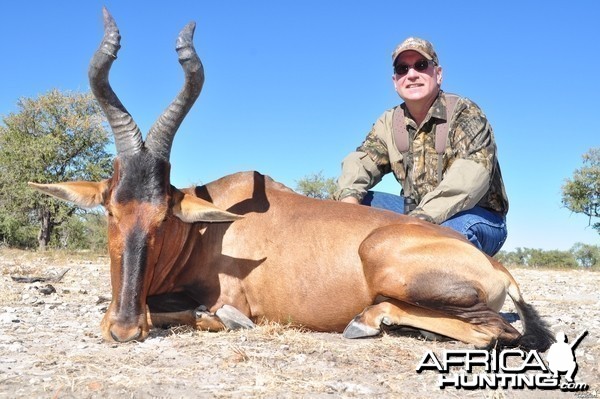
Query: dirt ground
50, 345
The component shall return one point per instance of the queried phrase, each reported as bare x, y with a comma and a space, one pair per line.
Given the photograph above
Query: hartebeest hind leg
393, 312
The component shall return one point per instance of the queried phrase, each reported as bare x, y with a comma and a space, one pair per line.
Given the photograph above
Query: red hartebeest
245, 245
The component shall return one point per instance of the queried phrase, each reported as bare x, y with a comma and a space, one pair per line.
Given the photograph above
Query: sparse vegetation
316, 186
579, 256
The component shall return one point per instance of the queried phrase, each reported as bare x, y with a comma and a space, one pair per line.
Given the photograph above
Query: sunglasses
402, 69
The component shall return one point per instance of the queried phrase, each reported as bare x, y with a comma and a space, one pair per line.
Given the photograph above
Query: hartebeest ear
192, 209
82, 193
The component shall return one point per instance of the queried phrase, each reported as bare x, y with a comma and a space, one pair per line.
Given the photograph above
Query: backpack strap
441, 137
399, 129
441, 132
403, 145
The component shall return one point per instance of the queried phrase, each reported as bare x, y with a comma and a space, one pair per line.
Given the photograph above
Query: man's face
417, 86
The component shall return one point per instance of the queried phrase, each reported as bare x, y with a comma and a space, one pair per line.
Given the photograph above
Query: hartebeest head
139, 199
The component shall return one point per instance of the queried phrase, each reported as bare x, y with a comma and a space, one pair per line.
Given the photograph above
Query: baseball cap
419, 45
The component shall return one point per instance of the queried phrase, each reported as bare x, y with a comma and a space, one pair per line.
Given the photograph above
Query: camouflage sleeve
472, 137
467, 177
465, 183
365, 167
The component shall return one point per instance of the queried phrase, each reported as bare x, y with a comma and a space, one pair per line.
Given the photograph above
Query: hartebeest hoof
356, 329
233, 318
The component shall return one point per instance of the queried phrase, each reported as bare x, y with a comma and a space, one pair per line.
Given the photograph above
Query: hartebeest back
255, 248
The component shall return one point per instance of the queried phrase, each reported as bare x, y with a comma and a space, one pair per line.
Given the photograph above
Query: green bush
580, 255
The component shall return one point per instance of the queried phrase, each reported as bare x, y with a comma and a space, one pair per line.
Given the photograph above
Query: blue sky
292, 87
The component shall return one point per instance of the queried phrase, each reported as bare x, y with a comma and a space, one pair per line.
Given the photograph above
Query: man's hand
419, 214
350, 200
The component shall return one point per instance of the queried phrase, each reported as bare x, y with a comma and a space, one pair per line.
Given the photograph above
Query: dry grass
20, 262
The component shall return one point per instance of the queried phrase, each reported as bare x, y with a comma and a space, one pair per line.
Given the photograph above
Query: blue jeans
484, 228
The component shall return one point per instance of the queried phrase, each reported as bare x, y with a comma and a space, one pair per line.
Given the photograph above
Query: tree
316, 186
551, 258
581, 194
518, 257
55, 137
586, 255
580, 255
86, 231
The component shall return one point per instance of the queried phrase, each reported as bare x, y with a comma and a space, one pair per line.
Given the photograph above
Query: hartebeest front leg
197, 319
225, 318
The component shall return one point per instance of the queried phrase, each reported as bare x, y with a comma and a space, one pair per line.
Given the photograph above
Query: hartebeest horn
128, 137
160, 137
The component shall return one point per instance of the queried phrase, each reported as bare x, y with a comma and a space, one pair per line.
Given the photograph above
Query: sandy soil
50, 345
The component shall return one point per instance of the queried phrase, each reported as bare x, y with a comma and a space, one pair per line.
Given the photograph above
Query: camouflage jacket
471, 173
